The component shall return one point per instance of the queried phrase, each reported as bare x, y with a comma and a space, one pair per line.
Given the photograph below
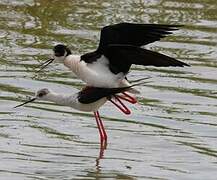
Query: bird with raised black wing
119, 48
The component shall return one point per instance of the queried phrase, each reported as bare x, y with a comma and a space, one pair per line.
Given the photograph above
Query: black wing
121, 57
92, 94
133, 34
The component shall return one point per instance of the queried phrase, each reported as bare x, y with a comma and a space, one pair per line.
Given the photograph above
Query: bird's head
60, 53
42, 94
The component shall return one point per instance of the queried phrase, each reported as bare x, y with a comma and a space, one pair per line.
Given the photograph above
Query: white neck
66, 100
72, 101
72, 61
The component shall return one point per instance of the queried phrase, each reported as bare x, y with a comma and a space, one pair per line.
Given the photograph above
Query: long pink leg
128, 98
102, 132
103, 144
102, 126
99, 128
122, 106
101, 153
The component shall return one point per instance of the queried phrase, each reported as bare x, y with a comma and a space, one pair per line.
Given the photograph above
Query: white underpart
72, 101
96, 74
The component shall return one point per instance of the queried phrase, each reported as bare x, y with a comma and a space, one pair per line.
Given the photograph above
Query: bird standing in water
105, 70
89, 99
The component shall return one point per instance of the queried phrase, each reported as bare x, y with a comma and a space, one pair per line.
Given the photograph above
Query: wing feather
121, 57
92, 94
133, 34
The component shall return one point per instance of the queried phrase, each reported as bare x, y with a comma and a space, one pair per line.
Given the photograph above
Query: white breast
72, 101
95, 74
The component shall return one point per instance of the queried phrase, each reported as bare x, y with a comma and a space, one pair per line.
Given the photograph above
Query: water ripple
171, 133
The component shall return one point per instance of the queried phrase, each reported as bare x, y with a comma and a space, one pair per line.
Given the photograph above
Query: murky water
172, 132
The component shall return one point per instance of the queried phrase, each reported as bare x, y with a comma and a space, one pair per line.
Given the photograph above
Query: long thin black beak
45, 64
31, 100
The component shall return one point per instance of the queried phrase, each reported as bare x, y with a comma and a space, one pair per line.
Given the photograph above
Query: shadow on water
171, 133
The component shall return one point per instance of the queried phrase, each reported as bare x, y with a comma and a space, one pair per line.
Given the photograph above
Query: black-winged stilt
88, 99
119, 48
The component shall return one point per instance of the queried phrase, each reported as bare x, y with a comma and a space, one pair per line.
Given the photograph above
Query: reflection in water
170, 135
